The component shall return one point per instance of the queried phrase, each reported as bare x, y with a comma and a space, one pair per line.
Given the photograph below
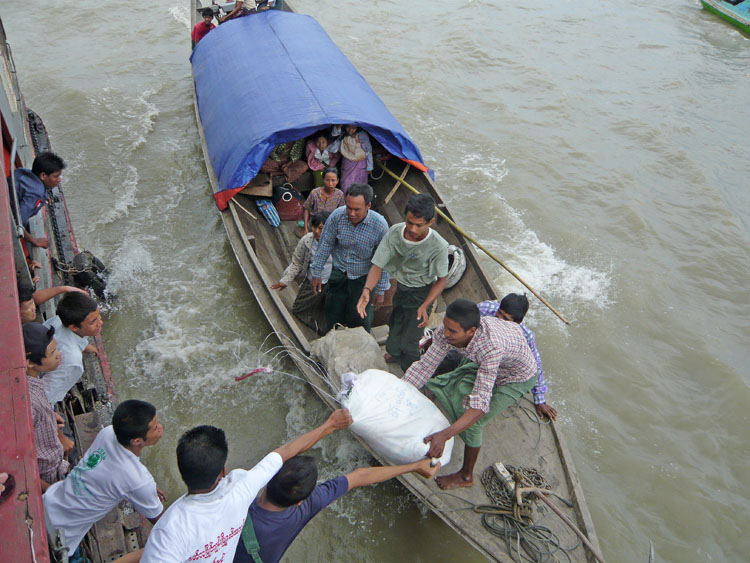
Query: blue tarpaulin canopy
275, 77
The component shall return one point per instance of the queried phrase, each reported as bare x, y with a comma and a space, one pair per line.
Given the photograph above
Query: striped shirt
352, 246
490, 309
498, 347
49, 450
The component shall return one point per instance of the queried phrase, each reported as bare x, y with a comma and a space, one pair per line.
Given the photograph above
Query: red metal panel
22, 512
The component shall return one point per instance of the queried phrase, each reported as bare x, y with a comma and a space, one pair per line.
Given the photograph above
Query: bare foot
389, 359
454, 481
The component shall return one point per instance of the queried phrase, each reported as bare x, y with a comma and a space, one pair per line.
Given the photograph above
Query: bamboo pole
478, 245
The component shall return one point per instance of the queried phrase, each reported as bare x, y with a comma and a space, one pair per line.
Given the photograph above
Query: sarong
341, 301
451, 388
352, 172
308, 306
403, 330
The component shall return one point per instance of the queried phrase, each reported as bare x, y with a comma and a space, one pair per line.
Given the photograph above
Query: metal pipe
13, 150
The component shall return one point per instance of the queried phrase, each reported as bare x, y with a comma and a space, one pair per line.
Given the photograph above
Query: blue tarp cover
274, 77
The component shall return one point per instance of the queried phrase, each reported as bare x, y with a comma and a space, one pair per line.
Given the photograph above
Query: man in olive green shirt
417, 258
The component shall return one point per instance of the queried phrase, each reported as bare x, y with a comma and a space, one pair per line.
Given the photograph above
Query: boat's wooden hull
738, 15
513, 438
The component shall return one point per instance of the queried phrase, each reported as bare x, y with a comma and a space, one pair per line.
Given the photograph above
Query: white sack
392, 416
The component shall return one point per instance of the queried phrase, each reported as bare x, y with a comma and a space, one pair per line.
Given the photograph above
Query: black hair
201, 455
207, 12
35, 357
331, 170
465, 312
363, 190
47, 163
294, 482
422, 206
25, 292
515, 305
75, 307
131, 420
319, 218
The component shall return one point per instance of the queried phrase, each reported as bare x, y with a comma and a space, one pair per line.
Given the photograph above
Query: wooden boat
736, 13
263, 251
88, 406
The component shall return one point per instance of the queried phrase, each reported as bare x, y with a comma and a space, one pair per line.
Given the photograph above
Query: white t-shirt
106, 475
58, 382
207, 527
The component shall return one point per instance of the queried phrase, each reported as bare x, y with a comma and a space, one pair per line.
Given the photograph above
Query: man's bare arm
370, 475
338, 419
44, 295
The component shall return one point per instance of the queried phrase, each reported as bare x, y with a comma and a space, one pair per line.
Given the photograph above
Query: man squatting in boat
498, 369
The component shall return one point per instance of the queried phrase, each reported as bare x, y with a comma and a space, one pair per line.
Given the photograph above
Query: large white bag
392, 416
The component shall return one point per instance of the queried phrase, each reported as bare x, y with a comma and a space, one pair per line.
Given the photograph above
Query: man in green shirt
417, 258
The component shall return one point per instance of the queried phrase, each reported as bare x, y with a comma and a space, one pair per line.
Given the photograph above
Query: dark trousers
404, 332
341, 301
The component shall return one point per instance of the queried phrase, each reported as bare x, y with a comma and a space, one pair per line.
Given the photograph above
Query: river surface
600, 148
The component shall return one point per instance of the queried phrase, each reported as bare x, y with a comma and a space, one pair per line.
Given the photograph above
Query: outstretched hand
279, 285
426, 469
339, 419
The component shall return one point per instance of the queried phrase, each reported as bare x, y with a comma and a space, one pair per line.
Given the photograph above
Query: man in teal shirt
417, 258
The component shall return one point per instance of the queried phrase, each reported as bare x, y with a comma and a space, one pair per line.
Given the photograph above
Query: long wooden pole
478, 245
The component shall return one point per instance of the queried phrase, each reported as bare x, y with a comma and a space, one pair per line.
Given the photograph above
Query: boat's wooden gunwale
476, 283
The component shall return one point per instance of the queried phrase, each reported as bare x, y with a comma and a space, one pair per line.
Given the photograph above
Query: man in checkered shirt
498, 370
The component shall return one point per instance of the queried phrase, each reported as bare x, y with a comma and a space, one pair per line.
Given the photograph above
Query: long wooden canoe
514, 438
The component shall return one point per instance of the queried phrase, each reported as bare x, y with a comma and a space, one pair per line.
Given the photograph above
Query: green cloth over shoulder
451, 388
413, 264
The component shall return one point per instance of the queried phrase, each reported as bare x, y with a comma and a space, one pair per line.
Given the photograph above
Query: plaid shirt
498, 347
49, 450
490, 309
351, 246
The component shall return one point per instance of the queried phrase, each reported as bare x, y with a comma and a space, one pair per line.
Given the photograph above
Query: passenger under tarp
286, 80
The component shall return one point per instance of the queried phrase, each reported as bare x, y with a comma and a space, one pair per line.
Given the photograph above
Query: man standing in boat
351, 235
417, 257
498, 370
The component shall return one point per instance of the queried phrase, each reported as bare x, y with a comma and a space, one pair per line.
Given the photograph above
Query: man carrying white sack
498, 370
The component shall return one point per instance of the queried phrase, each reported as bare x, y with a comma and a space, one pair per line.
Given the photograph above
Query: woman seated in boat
308, 306
356, 155
286, 160
325, 199
319, 157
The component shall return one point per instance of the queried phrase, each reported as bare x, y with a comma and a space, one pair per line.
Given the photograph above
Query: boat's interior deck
275, 246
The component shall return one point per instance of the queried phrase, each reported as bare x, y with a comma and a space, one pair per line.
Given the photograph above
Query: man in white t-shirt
206, 523
77, 318
110, 472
